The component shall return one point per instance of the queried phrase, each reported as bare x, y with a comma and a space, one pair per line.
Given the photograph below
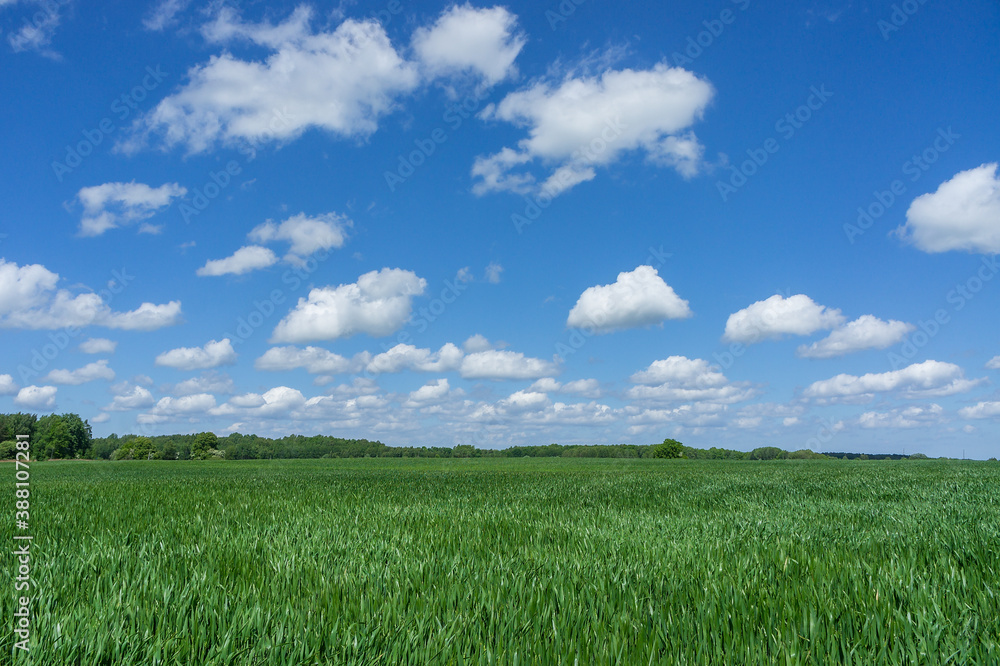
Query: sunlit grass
513, 561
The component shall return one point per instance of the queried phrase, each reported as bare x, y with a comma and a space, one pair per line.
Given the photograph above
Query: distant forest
67, 436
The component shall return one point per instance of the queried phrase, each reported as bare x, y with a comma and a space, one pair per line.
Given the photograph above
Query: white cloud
7, 385
213, 354
586, 122
279, 402
164, 14
407, 357
342, 82
129, 397
963, 214
88, 373
910, 417
493, 272
981, 410
315, 360
35, 33
103, 417
496, 364
169, 408
993, 363
113, 205
865, 332
246, 259
681, 371
206, 383
36, 397
682, 379
927, 379
378, 304
477, 343
430, 393
98, 346
467, 39
588, 388
777, 315
307, 235
637, 298
29, 299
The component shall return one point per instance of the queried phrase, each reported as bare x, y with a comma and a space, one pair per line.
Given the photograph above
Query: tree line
61, 436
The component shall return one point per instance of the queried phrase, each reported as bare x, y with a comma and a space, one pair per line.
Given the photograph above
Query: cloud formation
637, 298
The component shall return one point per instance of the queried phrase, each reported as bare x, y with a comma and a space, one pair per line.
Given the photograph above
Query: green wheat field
512, 561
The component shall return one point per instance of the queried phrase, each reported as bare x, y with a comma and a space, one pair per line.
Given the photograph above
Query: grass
513, 561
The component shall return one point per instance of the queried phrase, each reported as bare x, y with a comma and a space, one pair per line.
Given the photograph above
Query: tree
137, 448
203, 445
55, 439
670, 448
7, 449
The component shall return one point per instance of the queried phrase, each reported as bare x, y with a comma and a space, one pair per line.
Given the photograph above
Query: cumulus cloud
465, 39
777, 316
407, 357
129, 397
29, 298
430, 393
36, 397
927, 379
378, 304
279, 402
341, 81
963, 214
315, 360
477, 343
246, 259
585, 122
497, 364
637, 298
993, 363
493, 272
588, 388
98, 346
681, 371
207, 383
114, 205
213, 354
7, 385
865, 332
910, 417
981, 410
170, 408
683, 379
306, 235
88, 373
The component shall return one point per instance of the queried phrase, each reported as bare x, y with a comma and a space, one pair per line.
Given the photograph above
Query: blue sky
733, 224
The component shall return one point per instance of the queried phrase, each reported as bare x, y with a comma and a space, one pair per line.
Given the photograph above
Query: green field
512, 561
